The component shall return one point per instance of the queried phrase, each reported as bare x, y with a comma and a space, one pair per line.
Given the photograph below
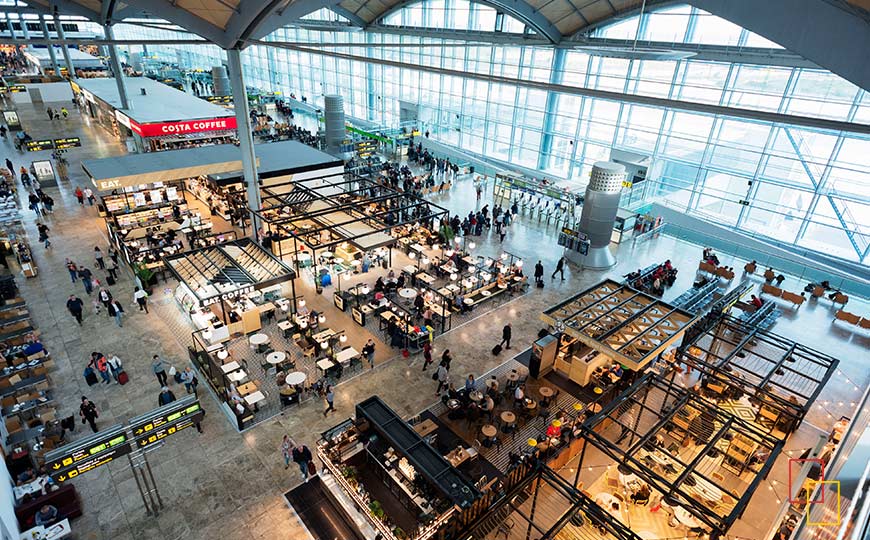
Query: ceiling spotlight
301, 302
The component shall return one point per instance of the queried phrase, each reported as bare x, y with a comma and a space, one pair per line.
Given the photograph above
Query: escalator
322, 516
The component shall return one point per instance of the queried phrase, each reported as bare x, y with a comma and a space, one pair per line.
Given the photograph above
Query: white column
246, 138
64, 48
116, 67
50, 46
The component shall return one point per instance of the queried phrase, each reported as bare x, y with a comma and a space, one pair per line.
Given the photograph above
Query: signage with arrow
88, 453
158, 434
170, 413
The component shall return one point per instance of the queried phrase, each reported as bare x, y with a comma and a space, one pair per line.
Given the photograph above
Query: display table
230, 367
346, 355
59, 530
276, 357
407, 293
325, 365
296, 378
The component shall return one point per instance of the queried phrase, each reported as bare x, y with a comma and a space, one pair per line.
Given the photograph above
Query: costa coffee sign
180, 128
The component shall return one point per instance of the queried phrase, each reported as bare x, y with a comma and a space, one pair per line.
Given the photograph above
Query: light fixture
301, 302
303, 324
412, 255
457, 240
364, 289
448, 253
342, 338
454, 276
321, 318
520, 263
485, 276
285, 306
323, 345
424, 260
504, 256
472, 245
222, 354
206, 334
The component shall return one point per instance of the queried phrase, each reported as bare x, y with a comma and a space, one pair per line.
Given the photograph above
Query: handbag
435, 376
172, 371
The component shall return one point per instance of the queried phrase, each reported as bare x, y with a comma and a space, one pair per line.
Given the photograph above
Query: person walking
87, 277
427, 354
88, 413
80, 195
105, 297
446, 358
443, 376
287, 451
506, 336
302, 457
33, 200
117, 310
189, 380
101, 365
98, 256
330, 400
115, 366
72, 269
89, 195
64, 112
166, 397
113, 254
10, 167
159, 369
539, 272
50, 113
141, 298
43, 234
560, 269
75, 305
112, 269
369, 351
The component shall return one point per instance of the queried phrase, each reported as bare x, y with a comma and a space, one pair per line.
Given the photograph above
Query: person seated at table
47, 515
453, 393
756, 301
554, 429
616, 370
400, 283
469, 383
391, 274
642, 495
379, 285
27, 475
459, 303
500, 281
428, 296
519, 395
33, 347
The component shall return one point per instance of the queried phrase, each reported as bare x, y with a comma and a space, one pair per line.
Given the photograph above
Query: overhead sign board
36, 146
69, 142
162, 417
92, 452
179, 128
158, 434
17, 88
219, 99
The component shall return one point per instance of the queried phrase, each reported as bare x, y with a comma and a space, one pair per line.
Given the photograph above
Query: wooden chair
840, 298
818, 292
750, 268
850, 318
771, 290
719, 477
864, 323
613, 483
769, 275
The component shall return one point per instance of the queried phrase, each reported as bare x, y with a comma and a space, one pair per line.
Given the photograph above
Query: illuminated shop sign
177, 128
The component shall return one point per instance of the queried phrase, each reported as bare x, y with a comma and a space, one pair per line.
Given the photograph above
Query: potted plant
376, 509
399, 533
146, 276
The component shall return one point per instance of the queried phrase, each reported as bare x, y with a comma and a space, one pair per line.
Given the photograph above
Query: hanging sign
165, 421
36, 146
180, 128
69, 142
95, 451
17, 88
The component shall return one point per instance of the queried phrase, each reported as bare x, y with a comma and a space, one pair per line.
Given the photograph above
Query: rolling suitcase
496, 350
123, 378
110, 280
90, 376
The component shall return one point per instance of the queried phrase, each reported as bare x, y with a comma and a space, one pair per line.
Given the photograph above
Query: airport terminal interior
435, 269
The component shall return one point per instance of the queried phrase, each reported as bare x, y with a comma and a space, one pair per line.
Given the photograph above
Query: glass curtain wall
793, 184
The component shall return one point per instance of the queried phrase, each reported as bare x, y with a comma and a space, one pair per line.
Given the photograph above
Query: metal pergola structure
653, 407
629, 326
227, 270
779, 374
365, 202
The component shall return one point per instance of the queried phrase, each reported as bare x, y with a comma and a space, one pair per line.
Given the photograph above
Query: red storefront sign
179, 128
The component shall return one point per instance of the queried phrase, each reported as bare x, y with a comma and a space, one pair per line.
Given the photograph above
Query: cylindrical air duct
599, 212
333, 115
220, 81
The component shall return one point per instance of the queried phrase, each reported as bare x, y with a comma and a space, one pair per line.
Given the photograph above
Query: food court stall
400, 483
607, 334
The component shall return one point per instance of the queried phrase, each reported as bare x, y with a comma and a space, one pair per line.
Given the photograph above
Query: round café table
513, 376
531, 404
475, 395
276, 357
407, 293
296, 378
259, 339
453, 404
508, 417
485, 293
546, 391
489, 431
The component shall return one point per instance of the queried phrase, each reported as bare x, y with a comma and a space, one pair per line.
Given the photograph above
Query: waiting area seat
796, 299
851, 318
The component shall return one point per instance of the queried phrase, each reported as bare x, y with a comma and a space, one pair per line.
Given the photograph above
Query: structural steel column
24, 29
116, 67
49, 45
557, 71
63, 47
246, 138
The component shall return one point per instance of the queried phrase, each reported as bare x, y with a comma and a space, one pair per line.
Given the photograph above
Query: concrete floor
227, 485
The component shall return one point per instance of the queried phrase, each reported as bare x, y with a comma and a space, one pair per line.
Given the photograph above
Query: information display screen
164, 418
85, 457
69, 142
36, 146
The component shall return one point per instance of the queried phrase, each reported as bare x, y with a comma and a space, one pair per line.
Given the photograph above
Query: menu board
338, 300
156, 196
171, 194
36, 146
139, 199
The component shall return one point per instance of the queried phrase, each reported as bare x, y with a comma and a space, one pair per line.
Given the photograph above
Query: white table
685, 517
230, 367
259, 339
606, 501
296, 378
29, 488
285, 325
323, 335
407, 293
254, 397
237, 376
59, 530
325, 364
346, 355
276, 357
426, 278
485, 293
410, 269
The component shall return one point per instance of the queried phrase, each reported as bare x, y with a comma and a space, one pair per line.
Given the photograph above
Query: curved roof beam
162, 9
294, 11
833, 35
518, 9
354, 19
